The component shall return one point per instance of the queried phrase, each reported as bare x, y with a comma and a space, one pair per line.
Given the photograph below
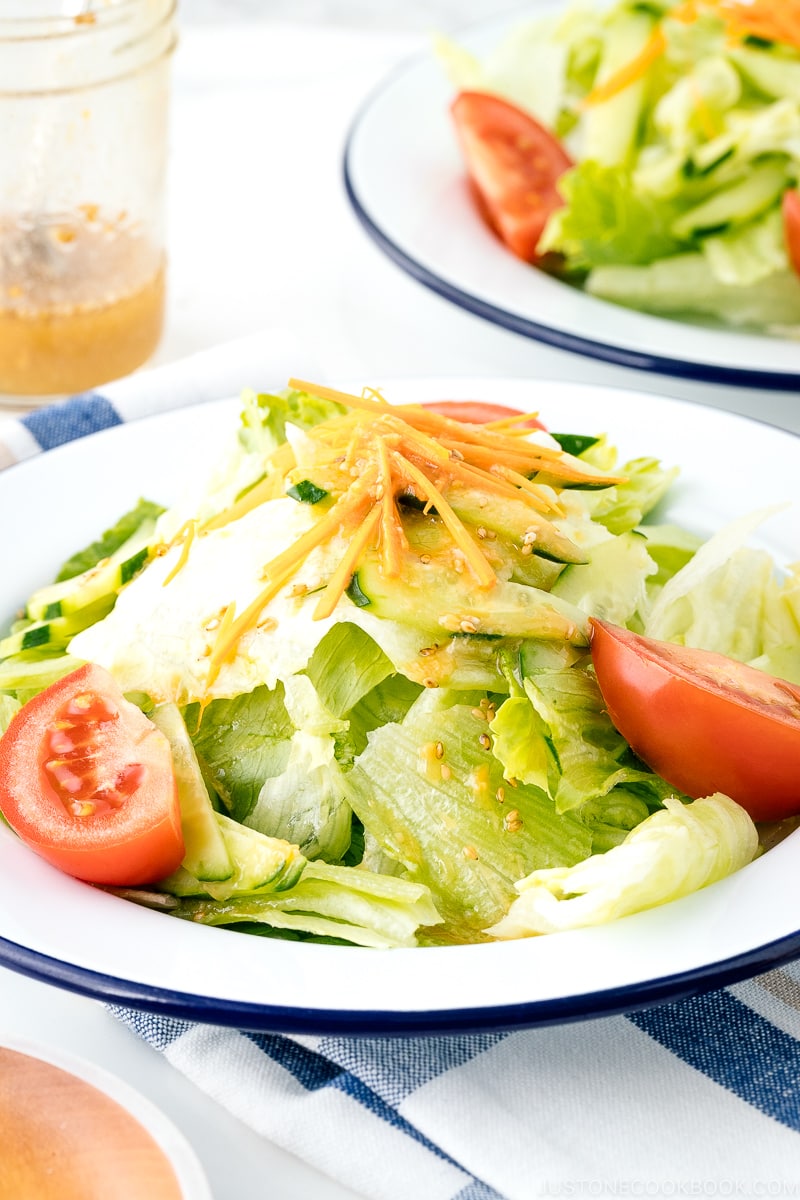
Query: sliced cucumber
611, 127
260, 864
306, 492
35, 673
511, 520
106, 579
437, 599
736, 204
54, 634
206, 855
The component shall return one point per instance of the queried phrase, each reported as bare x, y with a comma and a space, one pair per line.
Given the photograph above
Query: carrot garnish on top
367, 466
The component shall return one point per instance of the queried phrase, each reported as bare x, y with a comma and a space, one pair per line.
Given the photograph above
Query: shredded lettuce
144, 513
676, 851
606, 220
344, 903
434, 797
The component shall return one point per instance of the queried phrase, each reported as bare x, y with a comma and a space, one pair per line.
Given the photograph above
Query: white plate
406, 181
51, 1094
63, 931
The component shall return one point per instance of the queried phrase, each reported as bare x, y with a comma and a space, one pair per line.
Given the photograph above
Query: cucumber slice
306, 492
611, 128
511, 520
206, 855
261, 865
54, 634
435, 598
736, 204
106, 579
35, 673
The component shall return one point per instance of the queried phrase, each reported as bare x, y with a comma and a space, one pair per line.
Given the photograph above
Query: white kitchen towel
264, 360
697, 1098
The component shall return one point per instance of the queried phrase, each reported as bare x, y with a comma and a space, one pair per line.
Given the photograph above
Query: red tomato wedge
514, 165
86, 781
478, 412
704, 722
791, 225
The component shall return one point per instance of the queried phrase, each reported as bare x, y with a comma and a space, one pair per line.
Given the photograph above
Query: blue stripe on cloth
731, 1044
75, 418
160, 1032
396, 1067
478, 1191
313, 1072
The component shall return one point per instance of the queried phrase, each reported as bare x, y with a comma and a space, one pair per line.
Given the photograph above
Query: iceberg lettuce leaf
676, 851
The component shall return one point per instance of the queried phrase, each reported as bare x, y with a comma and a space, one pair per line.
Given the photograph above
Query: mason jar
84, 91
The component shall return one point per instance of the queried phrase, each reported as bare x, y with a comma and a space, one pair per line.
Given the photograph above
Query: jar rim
92, 19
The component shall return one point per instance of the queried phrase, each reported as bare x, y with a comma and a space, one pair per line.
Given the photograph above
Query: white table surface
261, 235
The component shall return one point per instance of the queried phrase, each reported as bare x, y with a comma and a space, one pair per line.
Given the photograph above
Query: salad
401, 675
648, 151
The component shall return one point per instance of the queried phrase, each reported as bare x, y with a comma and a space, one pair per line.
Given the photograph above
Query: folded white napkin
698, 1098
263, 360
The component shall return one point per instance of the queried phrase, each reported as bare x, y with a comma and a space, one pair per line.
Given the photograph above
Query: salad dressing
81, 302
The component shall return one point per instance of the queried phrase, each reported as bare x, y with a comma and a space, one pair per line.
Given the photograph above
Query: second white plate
406, 182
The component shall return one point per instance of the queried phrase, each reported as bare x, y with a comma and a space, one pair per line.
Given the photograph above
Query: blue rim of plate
620, 356
266, 1018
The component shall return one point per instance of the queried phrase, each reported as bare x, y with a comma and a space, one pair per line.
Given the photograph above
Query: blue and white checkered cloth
699, 1098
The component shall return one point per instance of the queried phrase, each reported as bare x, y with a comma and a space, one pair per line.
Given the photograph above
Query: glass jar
84, 89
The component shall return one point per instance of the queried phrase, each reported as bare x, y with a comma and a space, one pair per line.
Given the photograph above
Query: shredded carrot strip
475, 560
268, 489
231, 631
633, 71
508, 424
685, 13
188, 532
773, 20
391, 525
344, 570
533, 490
343, 398
221, 646
350, 507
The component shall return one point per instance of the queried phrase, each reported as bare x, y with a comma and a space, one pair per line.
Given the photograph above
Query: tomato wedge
478, 412
514, 165
86, 781
704, 722
791, 225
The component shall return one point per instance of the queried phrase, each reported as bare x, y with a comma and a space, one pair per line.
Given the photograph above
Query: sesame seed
212, 625
481, 532
490, 535
512, 782
470, 852
457, 455
450, 622
298, 589
485, 741
512, 822
478, 714
428, 650
425, 558
527, 549
469, 625
429, 683
439, 750
501, 794
447, 774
